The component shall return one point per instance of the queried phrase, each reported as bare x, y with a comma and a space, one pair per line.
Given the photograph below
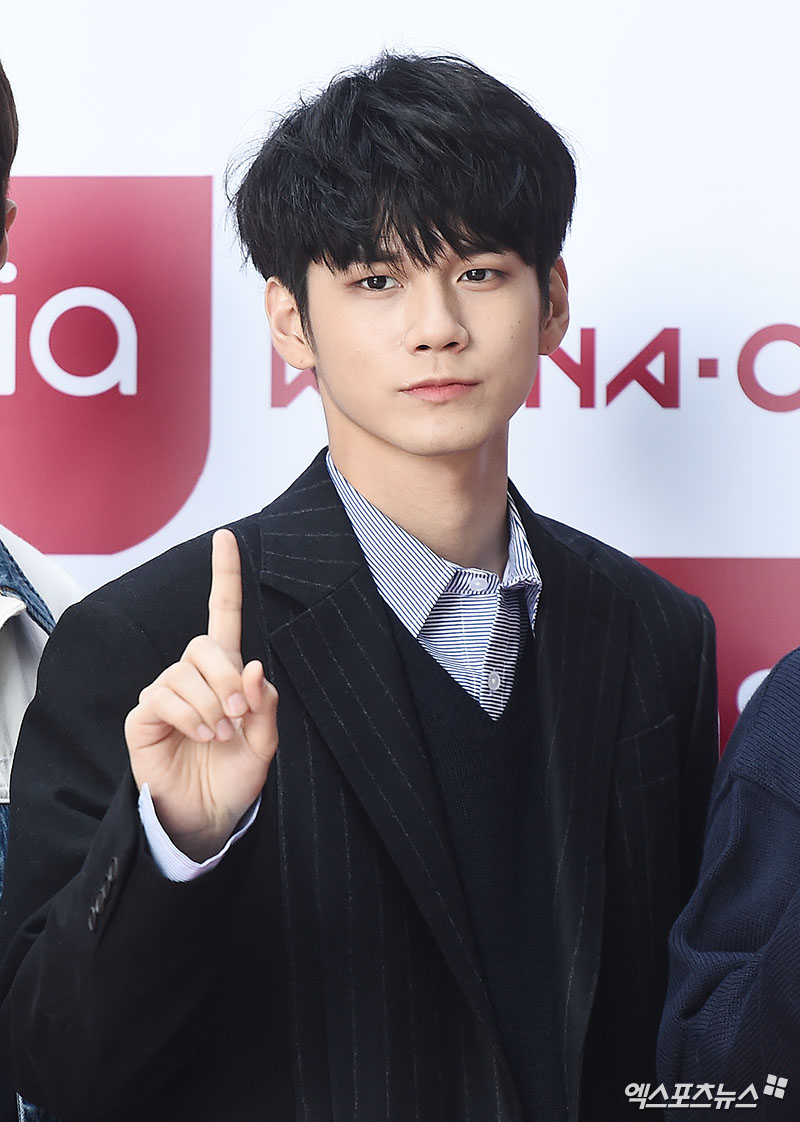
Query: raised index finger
225, 601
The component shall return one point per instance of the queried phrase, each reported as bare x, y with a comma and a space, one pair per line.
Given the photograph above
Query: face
421, 361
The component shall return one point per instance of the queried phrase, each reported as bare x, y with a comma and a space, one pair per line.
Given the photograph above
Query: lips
439, 390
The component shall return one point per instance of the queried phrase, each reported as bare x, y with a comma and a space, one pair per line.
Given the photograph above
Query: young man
33, 591
447, 895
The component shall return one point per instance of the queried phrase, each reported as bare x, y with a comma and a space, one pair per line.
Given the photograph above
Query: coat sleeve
92, 936
733, 1010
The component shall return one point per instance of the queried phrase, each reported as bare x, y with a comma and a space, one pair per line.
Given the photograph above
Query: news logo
105, 343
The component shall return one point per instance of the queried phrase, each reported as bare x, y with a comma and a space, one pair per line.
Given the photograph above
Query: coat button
92, 918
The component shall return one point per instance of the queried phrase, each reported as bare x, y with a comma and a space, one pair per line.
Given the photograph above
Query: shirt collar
412, 578
14, 583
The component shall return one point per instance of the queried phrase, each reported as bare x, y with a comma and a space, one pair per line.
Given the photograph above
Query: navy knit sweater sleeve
733, 1007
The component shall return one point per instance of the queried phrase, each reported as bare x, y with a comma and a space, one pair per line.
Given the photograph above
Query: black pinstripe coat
326, 969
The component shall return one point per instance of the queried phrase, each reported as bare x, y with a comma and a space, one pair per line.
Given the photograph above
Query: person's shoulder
633, 578
180, 572
54, 584
786, 674
168, 594
765, 744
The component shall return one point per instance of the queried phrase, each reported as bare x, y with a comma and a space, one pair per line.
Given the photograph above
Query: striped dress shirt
470, 620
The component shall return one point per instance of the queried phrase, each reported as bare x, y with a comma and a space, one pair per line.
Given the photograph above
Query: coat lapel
333, 639
581, 640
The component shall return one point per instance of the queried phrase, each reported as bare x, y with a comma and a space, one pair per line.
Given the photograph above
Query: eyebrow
395, 259
386, 257
473, 249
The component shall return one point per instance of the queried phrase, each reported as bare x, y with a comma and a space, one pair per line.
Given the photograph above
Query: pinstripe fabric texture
345, 984
619, 659
469, 620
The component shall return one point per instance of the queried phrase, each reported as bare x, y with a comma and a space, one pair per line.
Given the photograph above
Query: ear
11, 214
288, 336
556, 322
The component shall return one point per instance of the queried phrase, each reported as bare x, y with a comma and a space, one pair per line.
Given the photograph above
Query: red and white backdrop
140, 401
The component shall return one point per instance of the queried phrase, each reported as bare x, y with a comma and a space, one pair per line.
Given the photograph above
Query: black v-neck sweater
490, 777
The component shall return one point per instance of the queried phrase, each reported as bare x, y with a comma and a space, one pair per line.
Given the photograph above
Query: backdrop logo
105, 322
655, 370
664, 385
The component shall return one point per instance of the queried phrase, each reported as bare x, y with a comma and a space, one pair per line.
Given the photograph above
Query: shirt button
493, 681
478, 583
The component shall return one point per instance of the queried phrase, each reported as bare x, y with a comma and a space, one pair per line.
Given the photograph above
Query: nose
435, 320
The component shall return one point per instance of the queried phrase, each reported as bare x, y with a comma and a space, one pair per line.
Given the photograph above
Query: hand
204, 733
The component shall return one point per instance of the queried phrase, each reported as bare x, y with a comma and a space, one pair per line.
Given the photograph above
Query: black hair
427, 150
9, 131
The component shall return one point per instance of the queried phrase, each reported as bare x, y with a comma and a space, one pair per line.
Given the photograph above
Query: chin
438, 446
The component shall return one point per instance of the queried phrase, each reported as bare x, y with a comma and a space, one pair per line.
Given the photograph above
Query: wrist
197, 840
172, 861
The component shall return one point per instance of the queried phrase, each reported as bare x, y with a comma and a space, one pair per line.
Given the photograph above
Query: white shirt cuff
174, 864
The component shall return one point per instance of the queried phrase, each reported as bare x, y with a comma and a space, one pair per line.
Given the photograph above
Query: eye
378, 283
479, 276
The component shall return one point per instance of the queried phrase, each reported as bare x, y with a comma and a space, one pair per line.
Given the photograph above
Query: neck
455, 504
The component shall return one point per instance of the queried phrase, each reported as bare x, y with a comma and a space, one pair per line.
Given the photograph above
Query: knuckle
195, 646
159, 696
148, 697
